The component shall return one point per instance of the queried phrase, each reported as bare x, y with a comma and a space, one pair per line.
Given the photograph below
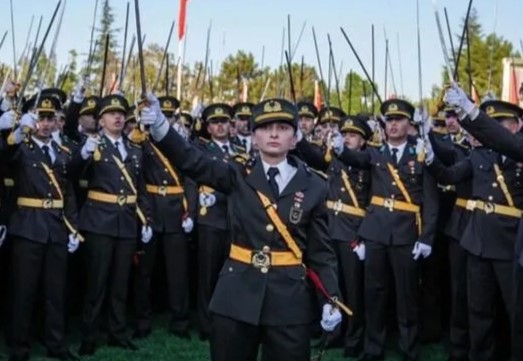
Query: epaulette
137, 136
375, 145
63, 148
317, 172
242, 158
203, 140
441, 131
135, 145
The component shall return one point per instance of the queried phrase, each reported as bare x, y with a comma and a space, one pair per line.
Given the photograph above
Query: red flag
181, 19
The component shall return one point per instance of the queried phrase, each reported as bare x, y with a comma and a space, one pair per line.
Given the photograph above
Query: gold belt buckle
337, 207
162, 190
389, 204
121, 200
261, 259
471, 205
47, 203
489, 208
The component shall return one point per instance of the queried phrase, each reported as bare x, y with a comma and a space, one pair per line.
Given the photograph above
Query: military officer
493, 135
308, 114
116, 207
496, 203
398, 229
42, 228
262, 297
173, 206
241, 113
347, 200
213, 229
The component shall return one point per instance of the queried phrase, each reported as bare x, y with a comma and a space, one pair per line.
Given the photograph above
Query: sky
250, 25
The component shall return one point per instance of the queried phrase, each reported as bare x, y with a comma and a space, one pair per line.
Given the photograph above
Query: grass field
161, 346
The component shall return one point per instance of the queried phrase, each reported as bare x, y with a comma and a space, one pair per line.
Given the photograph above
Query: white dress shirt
40, 144
120, 146
247, 142
400, 148
286, 172
221, 145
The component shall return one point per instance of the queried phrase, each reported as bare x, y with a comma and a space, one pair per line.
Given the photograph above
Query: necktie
244, 143
118, 147
395, 155
45, 148
225, 149
272, 173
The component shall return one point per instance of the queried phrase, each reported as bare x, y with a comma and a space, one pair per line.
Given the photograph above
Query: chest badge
296, 211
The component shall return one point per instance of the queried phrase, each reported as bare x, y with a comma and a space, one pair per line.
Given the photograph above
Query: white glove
421, 249
89, 147
360, 251
7, 120
79, 92
73, 244
429, 152
337, 143
457, 98
187, 225
5, 104
147, 234
330, 318
180, 130
152, 114
207, 199
3, 234
28, 120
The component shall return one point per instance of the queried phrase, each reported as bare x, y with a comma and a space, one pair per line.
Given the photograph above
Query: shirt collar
40, 144
221, 144
283, 167
119, 139
400, 147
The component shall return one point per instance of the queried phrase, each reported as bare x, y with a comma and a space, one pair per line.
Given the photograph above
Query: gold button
494, 184
121, 191
342, 189
394, 183
49, 195
121, 178
392, 196
165, 170
266, 249
490, 198
264, 270
269, 228
164, 182
230, 269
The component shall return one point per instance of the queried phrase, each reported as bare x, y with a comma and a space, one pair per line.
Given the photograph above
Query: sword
448, 68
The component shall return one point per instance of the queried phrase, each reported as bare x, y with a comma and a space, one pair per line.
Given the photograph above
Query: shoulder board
238, 148
203, 140
135, 145
374, 144
437, 130
242, 158
64, 148
317, 172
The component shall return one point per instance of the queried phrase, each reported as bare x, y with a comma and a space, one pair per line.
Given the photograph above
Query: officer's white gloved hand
207, 199
147, 234
337, 143
330, 318
457, 98
421, 249
188, 225
7, 120
89, 147
73, 243
3, 234
360, 251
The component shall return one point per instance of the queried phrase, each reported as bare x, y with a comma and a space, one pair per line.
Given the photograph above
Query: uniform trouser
239, 341
213, 250
351, 285
432, 291
108, 265
485, 278
32, 262
4, 284
517, 315
459, 326
382, 262
175, 249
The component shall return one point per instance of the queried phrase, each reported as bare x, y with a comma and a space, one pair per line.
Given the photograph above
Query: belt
9, 182
489, 208
164, 190
394, 205
263, 259
48, 203
462, 203
345, 208
119, 199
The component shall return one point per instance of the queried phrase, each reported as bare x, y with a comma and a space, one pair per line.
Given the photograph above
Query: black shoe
369, 357
141, 334
125, 344
204, 336
87, 349
64, 355
181, 334
24, 357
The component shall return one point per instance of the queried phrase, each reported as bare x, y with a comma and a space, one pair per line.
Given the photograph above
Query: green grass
161, 346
